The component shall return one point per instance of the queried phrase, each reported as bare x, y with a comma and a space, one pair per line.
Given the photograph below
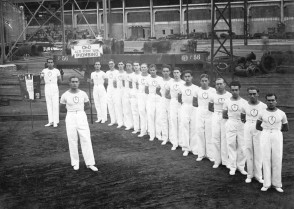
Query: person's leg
185, 127
200, 130
193, 133
241, 157
110, 106
265, 138
103, 103
49, 104
118, 107
55, 108
224, 146
216, 138
248, 138
142, 112
231, 135
151, 116
72, 136
165, 120
174, 123
257, 158
158, 117
208, 133
277, 155
96, 102
135, 113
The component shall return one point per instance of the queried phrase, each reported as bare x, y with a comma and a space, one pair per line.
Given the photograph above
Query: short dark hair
144, 63
270, 95
235, 83
252, 88
136, 62
204, 76
111, 60
121, 62
50, 59
96, 62
177, 68
128, 62
152, 66
188, 71
166, 66
71, 77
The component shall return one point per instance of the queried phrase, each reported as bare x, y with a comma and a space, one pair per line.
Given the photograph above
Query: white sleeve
63, 99
86, 98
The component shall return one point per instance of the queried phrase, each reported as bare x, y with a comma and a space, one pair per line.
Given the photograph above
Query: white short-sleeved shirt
142, 82
74, 102
128, 78
119, 77
174, 87
164, 86
50, 76
153, 83
219, 99
188, 92
253, 111
204, 96
234, 108
110, 75
98, 77
272, 120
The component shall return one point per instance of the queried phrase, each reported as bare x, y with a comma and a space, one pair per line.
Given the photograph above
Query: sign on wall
93, 50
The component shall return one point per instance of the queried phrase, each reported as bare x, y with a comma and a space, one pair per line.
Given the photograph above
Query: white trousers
154, 116
174, 110
52, 103
165, 117
135, 111
218, 138
127, 110
118, 106
272, 154
77, 127
142, 103
253, 150
188, 128
236, 144
204, 132
100, 101
110, 105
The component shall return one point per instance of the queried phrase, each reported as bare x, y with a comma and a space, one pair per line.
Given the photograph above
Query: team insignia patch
254, 112
271, 119
154, 83
176, 87
111, 76
143, 81
235, 107
204, 95
49, 74
188, 92
221, 100
76, 99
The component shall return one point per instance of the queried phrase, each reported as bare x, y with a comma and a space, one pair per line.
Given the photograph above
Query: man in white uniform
134, 97
127, 94
99, 93
250, 114
152, 89
75, 102
165, 115
111, 74
174, 108
51, 77
235, 129
119, 92
187, 97
203, 125
219, 141
142, 98
271, 122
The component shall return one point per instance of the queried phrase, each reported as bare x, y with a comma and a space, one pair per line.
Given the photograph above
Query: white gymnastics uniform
272, 146
252, 139
99, 94
127, 95
134, 102
235, 134
174, 110
77, 127
203, 125
154, 107
165, 115
52, 94
188, 118
110, 74
118, 100
219, 140
142, 103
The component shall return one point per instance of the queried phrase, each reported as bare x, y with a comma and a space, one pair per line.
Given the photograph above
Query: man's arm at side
62, 108
86, 106
258, 125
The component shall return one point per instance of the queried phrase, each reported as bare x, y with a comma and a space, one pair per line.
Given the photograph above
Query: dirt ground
35, 172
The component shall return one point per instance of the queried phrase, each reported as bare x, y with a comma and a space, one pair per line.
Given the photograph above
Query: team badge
254, 112
76, 99
111, 76
154, 83
176, 87
204, 95
49, 73
221, 100
271, 119
235, 107
188, 92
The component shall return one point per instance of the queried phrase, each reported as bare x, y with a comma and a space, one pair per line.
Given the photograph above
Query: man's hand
167, 94
130, 84
115, 84
211, 107
137, 85
123, 83
243, 117
195, 102
158, 91
180, 98
258, 125
225, 114
146, 90
62, 108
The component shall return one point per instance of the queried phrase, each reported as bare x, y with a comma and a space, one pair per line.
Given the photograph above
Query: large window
115, 18
265, 12
198, 14
138, 17
167, 16
91, 18
289, 11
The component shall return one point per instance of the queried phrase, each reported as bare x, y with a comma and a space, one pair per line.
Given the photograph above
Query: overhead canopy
27, 1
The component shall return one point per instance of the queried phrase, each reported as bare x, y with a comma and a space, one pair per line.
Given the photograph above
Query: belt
271, 129
250, 121
218, 112
75, 111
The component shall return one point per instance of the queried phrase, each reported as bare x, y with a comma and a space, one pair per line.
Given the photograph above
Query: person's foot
49, 124
232, 172
211, 159
279, 189
264, 189
110, 124
141, 135
119, 126
215, 165
164, 143
55, 125
242, 171
186, 153
151, 139
259, 180
92, 167
128, 128
199, 159
135, 131
248, 180
174, 148
98, 121
76, 167
103, 121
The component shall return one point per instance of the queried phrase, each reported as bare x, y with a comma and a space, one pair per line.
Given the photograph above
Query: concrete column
105, 19
2, 32
282, 11
72, 15
97, 13
124, 19
181, 18
151, 18
110, 19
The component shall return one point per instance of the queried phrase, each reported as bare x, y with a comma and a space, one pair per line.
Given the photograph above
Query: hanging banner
93, 50
30, 86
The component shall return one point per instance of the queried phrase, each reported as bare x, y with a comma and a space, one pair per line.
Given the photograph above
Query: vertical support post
230, 33
124, 18
90, 92
72, 15
187, 17
181, 17
62, 27
212, 35
245, 22
151, 18
97, 14
105, 19
110, 19
2, 32
282, 11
